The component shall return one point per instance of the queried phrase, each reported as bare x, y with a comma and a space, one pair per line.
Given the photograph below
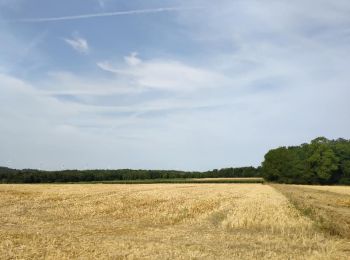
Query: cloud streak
170, 75
79, 44
107, 14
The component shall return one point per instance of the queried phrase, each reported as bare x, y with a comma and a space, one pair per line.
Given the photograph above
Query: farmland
158, 221
327, 206
185, 180
336, 189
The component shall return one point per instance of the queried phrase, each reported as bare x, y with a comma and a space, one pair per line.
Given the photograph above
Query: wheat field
157, 221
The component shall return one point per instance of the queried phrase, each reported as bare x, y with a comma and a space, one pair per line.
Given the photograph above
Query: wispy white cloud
107, 66
165, 74
132, 59
78, 43
67, 83
119, 13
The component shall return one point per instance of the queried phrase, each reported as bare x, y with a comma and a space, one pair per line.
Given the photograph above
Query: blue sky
190, 85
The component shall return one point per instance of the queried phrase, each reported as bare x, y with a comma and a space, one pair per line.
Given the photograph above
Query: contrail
87, 16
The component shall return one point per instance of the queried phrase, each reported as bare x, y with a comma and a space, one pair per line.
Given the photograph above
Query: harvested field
337, 189
157, 221
184, 180
329, 210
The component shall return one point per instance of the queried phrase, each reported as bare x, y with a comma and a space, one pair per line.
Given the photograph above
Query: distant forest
8, 175
321, 161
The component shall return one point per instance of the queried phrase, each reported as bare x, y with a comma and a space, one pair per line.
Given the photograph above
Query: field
336, 189
161, 221
184, 180
327, 206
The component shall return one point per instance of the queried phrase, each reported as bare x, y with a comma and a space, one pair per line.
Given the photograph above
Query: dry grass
337, 189
329, 210
157, 221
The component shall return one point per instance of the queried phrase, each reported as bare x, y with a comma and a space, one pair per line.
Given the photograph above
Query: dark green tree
322, 162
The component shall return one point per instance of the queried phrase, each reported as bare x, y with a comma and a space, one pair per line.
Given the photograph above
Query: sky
186, 85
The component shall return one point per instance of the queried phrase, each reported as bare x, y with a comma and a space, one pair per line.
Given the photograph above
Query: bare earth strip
157, 221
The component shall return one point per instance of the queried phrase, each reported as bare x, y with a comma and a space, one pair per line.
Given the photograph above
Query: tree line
8, 175
321, 161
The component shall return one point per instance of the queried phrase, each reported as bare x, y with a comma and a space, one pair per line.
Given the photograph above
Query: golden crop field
157, 221
228, 178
